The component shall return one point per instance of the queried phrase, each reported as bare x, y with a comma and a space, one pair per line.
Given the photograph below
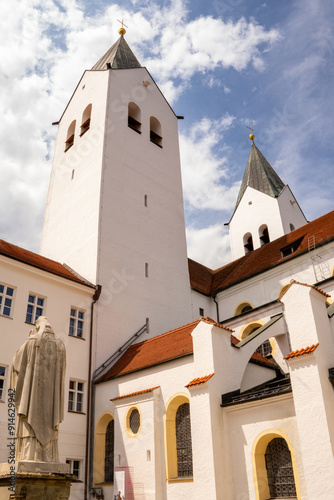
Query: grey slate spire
119, 56
260, 175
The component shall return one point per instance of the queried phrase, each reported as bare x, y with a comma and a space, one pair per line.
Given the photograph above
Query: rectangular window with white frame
35, 308
76, 396
75, 467
6, 300
77, 320
3, 370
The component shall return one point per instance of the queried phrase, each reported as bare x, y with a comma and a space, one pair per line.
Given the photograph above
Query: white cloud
209, 246
203, 169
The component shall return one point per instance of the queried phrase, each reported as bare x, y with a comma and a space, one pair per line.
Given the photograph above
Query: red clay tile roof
35, 260
301, 352
199, 380
136, 393
304, 284
210, 321
208, 282
151, 352
162, 348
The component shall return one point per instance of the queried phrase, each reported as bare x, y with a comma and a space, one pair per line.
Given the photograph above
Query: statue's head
43, 325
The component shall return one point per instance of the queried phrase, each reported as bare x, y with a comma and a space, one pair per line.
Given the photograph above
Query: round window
134, 421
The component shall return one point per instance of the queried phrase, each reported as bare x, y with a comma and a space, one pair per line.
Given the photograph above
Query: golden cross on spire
251, 136
122, 31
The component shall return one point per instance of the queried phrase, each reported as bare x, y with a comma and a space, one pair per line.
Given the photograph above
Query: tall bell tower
115, 208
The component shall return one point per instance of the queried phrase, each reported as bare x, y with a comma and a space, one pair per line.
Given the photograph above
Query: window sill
83, 133
180, 480
76, 412
133, 128
159, 145
76, 337
5, 316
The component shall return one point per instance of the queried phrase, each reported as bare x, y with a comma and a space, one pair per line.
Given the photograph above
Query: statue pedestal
35, 481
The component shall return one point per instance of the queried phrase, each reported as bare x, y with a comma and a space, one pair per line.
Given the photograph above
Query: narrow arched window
248, 243
134, 117
155, 131
264, 234
281, 480
85, 122
109, 453
292, 227
183, 441
70, 136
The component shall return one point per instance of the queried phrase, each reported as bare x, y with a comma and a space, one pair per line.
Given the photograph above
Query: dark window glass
134, 421
109, 453
279, 470
183, 441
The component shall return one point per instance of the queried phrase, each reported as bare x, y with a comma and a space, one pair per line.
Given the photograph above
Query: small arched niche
85, 122
248, 243
264, 234
70, 136
155, 131
134, 117
292, 227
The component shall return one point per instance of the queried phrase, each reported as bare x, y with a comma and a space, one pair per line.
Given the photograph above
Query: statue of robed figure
37, 375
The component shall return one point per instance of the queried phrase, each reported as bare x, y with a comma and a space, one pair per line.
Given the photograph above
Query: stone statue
37, 375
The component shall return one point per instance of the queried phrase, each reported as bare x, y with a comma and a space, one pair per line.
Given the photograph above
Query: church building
182, 381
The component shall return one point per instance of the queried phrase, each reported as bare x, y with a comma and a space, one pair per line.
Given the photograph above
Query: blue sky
221, 64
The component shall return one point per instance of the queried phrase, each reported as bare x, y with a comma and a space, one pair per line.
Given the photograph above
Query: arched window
179, 462
109, 453
85, 122
264, 234
266, 348
104, 448
292, 227
248, 243
183, 441
155, 131
281, 481
70, 136
134, 117
274, 466
243, 307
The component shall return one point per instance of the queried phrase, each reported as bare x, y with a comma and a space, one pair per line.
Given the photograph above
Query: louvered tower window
279, 470
109, 453
183, 441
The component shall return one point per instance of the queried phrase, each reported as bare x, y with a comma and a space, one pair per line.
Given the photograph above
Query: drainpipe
217, 307
90, 409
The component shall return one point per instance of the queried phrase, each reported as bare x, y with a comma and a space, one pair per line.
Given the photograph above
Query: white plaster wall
70, 232
245, 423
198, 300
255, 375
60, 295
290, 210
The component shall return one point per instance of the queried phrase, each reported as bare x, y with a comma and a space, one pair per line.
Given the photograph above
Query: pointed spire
260, 175
119, 56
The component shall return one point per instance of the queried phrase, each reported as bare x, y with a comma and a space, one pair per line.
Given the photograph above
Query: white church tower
115, 208
265, 209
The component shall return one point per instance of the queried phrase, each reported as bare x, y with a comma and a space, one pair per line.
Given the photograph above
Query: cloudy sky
221, 64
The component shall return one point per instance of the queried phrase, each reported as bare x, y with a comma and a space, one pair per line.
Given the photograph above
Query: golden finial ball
252, 137
122, 31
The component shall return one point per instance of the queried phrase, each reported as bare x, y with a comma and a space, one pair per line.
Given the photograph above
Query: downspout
217, 307
90, 408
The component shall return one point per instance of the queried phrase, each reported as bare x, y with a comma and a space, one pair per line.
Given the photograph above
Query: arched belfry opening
248, 243
264, 235
134, 117
155, 131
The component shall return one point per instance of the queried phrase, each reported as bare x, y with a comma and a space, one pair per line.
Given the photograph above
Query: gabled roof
260, 175
208, 281
119, 56
36, 260
162, 348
